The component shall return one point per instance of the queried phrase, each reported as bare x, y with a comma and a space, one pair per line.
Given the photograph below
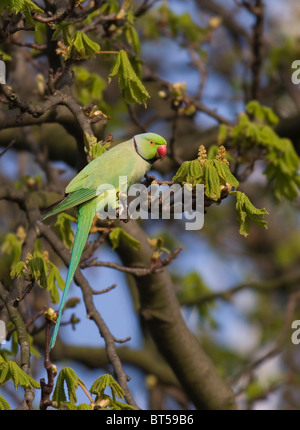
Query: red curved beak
162, 151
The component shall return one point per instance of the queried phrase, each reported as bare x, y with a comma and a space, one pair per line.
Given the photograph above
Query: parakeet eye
151, 142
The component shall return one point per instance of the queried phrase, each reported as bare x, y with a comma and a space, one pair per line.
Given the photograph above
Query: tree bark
161, 312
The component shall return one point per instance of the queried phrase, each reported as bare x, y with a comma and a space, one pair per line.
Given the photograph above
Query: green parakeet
87, 191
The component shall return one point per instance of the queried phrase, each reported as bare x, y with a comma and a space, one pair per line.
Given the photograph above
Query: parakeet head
150, 146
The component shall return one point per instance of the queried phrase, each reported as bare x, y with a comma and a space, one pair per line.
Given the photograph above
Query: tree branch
161, 313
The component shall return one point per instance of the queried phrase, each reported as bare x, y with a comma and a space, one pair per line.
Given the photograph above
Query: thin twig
47, 388
105, 290
83, 387
9, 146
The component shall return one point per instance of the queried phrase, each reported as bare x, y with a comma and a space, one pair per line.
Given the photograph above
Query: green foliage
77, 46
263, 114
62, 28
256, 390
190, 172
11, 249
214, 174
111, 6
29, 182
191, 288
39, 268
5, 56
254, 131
64, 229
9, 370
4, 405
130, 32
283, 169
133, 38
84, 407
248, 212
68, 377
89, 86
24, 6
93, 147
158, 245
217, 176
181, 26
104, 381
130, 84
118, 234
105, 401
83, 46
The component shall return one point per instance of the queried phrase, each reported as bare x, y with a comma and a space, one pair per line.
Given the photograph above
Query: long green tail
86, 215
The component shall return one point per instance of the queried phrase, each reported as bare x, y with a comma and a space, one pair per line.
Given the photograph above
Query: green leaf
24, 6
16, 6
11, 248
190, 172
38, 270
133, 38
62, 28
118, 233
4, 405
54, 279
5, 56
246, 212
195, 171
89, 86
93, 147
222, 135
17, 270
212, 180
117, 405
84, 407
182, 173
84, 46
262, 113
258, 135
225, 173
133, 89
66, 376
64, 229
9, 370
104, 381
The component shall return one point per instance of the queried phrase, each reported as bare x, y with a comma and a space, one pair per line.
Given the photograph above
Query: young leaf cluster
89, 86
67, 383
130, 84
105, 401
93, 147
248, 212
215, 174
118, 234
24, 6
39, 268
66, 377
9, 370
255, 131
64, 229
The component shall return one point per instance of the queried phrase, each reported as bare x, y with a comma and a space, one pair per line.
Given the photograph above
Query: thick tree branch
161, 312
